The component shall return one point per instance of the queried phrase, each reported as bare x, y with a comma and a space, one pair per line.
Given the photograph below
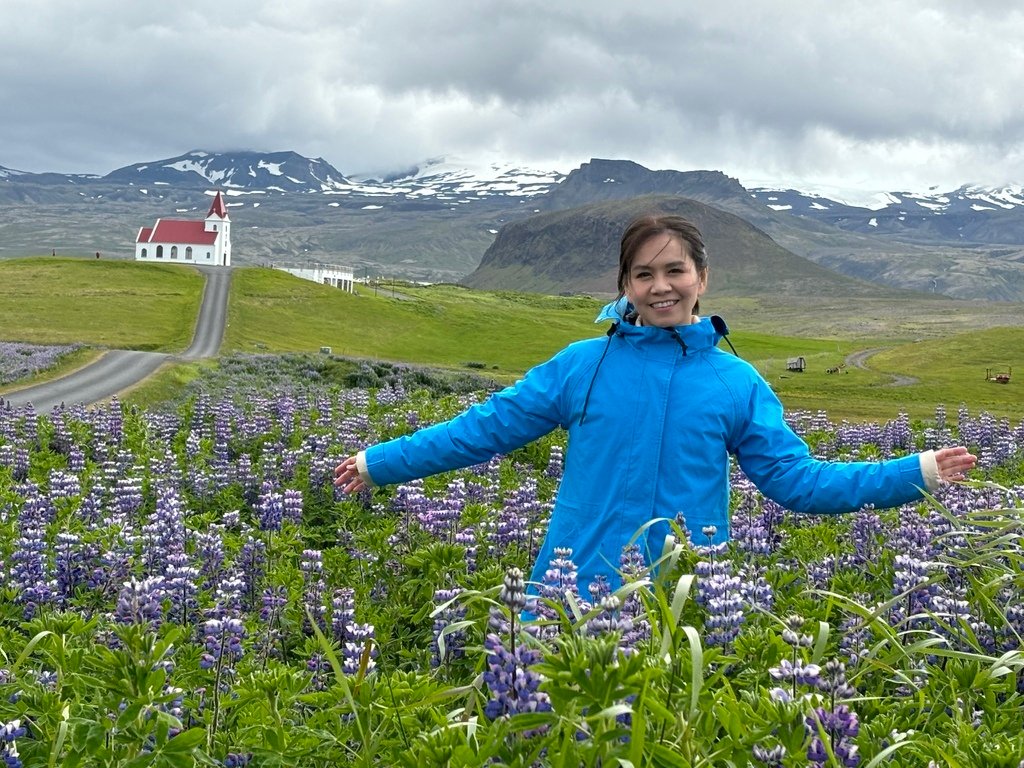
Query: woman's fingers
954, 463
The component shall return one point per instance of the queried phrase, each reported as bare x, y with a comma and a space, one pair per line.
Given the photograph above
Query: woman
653, 412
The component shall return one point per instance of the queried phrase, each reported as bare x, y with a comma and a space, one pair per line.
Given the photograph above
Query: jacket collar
703, 334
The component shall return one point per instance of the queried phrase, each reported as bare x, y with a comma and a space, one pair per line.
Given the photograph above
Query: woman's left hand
954, 463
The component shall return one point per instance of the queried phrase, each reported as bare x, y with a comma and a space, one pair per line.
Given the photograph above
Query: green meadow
498, 334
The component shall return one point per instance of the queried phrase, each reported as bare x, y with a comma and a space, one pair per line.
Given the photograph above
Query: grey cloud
799, 87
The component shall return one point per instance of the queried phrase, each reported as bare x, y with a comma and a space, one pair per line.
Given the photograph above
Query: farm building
191, 242
325, 274
796, 364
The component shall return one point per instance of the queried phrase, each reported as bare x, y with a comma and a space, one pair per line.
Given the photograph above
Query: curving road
119, 369
859, 360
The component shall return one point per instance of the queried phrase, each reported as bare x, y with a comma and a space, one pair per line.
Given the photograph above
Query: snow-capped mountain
971, 213
453, 176
280, 171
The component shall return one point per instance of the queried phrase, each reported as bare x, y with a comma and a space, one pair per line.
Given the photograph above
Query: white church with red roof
188, 242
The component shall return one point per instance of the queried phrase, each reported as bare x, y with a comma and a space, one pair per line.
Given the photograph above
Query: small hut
796, 364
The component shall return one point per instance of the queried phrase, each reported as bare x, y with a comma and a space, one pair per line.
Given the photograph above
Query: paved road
119, 369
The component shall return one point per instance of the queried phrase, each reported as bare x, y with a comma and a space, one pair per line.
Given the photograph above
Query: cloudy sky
869, 94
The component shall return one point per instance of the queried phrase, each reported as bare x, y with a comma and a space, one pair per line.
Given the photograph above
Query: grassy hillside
501, 334
99, 302
441, 325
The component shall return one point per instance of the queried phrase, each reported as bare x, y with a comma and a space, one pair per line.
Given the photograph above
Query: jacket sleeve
507, 420
779, 463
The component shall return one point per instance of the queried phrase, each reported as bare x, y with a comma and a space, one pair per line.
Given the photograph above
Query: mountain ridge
436, 219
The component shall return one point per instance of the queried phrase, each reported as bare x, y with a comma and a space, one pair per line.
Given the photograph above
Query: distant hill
577, 250
435, 221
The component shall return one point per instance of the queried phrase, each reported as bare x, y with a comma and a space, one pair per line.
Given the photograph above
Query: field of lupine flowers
19, 361
185, 587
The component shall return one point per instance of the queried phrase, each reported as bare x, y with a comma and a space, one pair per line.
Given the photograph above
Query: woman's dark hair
643, 228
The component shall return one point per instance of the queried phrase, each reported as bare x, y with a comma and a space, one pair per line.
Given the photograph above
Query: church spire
217, 207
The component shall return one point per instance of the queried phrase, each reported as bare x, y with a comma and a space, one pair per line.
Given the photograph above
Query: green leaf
186, 741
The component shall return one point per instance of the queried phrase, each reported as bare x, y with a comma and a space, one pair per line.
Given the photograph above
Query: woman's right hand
346, 476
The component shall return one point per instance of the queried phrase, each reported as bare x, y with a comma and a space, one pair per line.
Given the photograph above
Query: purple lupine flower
20, 465
910, 577
246, 477
30, 570
319, 669
514, 687
209, 551
466, 538
64, 485
292, 505
9, 733
833, 682
633, 567
312, 567
250, 564
610, 619
180, 587
140, 602
453, 641
556, 462
237, 759
719, 592
757, 592
513, 591
360, 650
853, 639
127, 492
69, 565
558, 582
840, 727
222, 639
227, 597
163, 535
794, 671
770, 757
865, 532
273, 603
343, 613
798, 673
270, 508
76, 460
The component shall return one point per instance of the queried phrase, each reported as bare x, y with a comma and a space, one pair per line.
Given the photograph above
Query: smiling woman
653, 413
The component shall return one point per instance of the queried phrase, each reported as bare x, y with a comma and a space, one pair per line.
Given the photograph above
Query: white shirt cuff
929, 470
364, 473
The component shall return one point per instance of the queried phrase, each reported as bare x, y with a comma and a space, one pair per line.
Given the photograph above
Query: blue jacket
664, 409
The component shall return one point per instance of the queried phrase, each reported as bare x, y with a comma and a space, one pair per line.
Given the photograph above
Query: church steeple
217, 221
217, 207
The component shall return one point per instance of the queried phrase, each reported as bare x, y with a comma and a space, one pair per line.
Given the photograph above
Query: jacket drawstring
586, 400
723, 330
679, 339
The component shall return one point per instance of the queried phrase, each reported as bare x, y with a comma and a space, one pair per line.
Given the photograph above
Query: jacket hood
706, 332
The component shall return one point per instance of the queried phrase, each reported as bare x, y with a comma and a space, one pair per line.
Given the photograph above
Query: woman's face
663, 283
